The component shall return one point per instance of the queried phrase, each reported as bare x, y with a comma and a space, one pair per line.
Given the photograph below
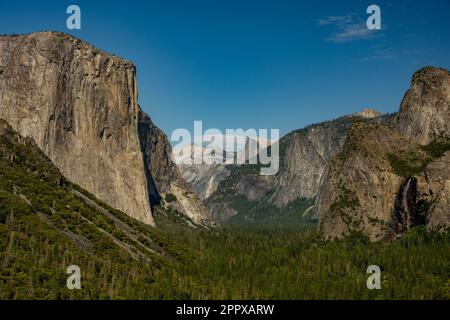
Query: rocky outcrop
361, 187
164, 176
367, 114
306, 157
434, 192
204, 179
80, 105
389, 179
425, 110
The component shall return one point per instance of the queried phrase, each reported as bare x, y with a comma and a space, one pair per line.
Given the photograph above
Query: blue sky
255, 64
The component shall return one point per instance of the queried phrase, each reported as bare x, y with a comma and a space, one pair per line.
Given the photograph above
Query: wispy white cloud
347, 28
334, 20
352, 33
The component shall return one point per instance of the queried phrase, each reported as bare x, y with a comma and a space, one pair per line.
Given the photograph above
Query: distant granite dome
367, 113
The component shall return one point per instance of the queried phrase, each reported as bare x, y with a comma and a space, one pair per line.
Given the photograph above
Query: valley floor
295, 264
228, 264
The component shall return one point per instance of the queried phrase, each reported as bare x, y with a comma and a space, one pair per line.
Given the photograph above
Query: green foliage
412, 163
170, 198
168, 218
438, 147
345, 201
408, 164
446, 290
249, 263
45, 227
260, 214
344, 205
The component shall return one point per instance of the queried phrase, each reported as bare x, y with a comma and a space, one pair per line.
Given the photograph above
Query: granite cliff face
390, 178
306, 157
360, 188
80, 106
425, 110
204, 179
434, 192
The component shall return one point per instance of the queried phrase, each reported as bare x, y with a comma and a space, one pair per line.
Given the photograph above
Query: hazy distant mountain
205, 178
246, 197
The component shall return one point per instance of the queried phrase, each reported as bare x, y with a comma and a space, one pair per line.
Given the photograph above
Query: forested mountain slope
47, 224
